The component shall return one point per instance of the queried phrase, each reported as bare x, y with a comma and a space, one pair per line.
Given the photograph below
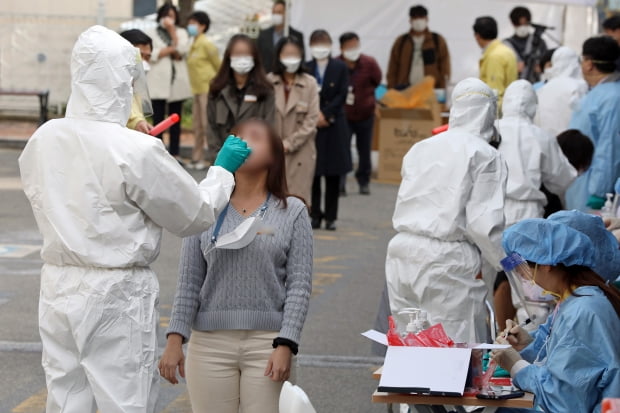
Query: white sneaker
199, 166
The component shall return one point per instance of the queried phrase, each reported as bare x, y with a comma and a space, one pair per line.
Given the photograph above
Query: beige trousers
225, 372
199, 122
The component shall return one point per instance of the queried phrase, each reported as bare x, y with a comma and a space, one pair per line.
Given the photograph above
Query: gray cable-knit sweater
264, 286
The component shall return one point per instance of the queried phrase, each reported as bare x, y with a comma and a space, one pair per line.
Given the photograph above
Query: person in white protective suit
450, 208
560, 96
533, 156
101, 194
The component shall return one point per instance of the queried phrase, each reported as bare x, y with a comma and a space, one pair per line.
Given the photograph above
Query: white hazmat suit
450, 208
560, 96
533, 156
101, 194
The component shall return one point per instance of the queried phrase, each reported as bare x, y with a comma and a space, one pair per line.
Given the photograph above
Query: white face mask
244, 234
242, 64
277, 19
320, 52
544, 76
523, 31
291, 64
146, 66
352, 54
419, 25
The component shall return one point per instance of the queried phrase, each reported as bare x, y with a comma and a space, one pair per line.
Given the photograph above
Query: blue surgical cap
549, 243
606, 248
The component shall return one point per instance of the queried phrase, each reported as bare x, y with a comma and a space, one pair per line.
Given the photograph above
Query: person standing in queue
242, 304
598, 117
364, 77
333, 152
239, 91
269, 38
449, 214
418, 53
168, 78
101, 194
296, 116
203, 62
498, 64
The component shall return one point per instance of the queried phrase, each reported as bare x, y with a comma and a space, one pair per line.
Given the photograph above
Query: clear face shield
141, 97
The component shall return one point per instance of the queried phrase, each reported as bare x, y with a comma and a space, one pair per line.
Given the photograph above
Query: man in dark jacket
364, 77
268, 38
526, 43
418, 53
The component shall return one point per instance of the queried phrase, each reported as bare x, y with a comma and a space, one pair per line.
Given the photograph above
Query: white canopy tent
378, 23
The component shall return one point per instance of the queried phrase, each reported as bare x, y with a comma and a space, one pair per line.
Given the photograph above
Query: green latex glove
233, 154
595, 202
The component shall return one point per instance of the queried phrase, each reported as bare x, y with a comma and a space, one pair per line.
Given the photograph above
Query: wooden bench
43, 96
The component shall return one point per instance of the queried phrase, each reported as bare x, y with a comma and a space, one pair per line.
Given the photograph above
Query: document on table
440, 371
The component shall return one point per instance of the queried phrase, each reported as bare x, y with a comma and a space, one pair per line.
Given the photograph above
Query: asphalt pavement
335, 362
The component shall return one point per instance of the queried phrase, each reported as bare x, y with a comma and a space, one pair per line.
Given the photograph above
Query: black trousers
363, 142
332, 193
159, 114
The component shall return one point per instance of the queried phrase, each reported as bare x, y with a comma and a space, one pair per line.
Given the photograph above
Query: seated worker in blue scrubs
572, 361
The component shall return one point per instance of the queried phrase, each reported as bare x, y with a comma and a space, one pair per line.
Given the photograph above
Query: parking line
33, 404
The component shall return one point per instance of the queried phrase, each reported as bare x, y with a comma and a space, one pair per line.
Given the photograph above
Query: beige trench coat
295, 121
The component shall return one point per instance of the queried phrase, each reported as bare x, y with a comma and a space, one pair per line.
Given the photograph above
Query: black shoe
364, 190
316, 223
330, 225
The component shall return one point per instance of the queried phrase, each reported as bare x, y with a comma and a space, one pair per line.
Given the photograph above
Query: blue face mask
192, 29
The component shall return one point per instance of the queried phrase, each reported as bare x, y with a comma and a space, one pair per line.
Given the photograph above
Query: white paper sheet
440, 370
376, 336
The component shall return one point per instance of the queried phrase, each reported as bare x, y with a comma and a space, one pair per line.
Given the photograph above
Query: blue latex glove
233, 154
595, 202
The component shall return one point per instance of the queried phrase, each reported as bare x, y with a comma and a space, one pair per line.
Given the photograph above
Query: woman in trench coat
296, 116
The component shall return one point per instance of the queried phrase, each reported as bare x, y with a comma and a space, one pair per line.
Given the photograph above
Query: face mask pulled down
242, 64
244, 234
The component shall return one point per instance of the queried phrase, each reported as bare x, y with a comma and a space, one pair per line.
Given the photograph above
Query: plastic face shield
141, 95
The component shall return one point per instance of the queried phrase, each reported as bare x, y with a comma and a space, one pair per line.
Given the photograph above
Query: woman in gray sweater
242, 307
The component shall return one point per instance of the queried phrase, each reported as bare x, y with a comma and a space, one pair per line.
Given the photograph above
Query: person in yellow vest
498, 64
203, 62
141, 41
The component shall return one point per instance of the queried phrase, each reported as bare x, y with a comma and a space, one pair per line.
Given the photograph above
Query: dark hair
135, 37
282, 2
545, 58
319, 35
345, 37
278, 67
603, 51
579, 276
486, 27
165, 9
276, 176
518, 13
202, 18
418, 11
256, 77
577, 147
612, 23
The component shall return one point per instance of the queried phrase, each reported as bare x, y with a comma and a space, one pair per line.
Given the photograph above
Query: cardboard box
399, 130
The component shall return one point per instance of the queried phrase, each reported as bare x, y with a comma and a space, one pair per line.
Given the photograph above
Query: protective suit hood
474, 108
565, 63
520, 100
103, 67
